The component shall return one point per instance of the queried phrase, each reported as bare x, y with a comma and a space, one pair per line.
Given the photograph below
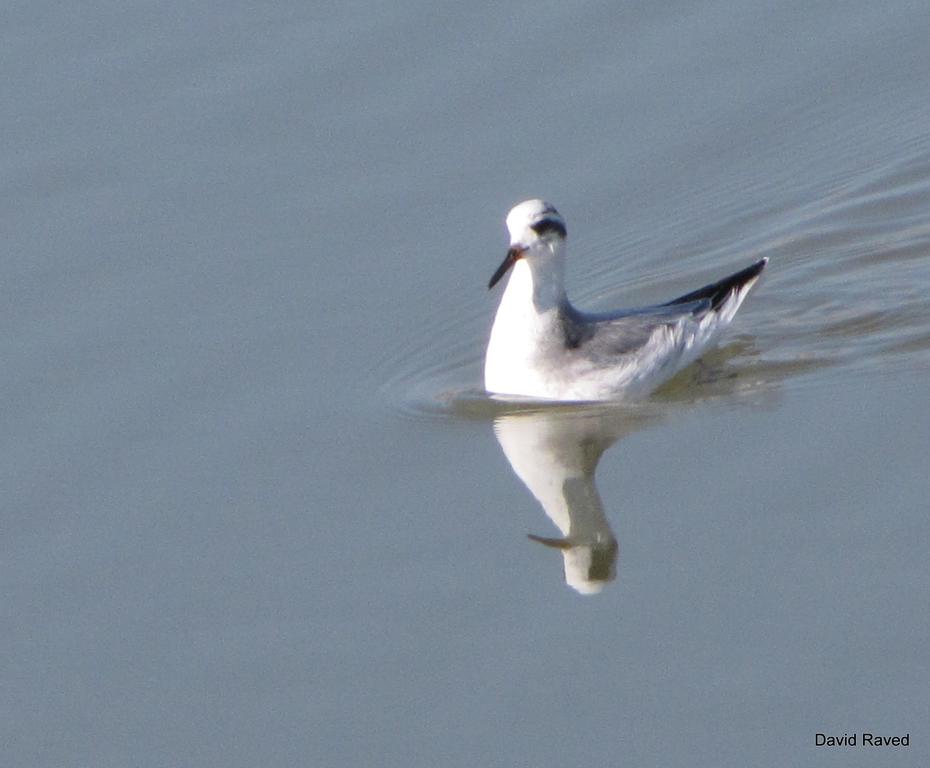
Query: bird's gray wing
627, 332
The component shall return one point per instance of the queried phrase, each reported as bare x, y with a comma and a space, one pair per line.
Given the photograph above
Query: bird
542, 347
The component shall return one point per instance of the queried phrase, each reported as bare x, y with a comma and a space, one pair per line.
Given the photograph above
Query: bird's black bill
509, 260
554, 543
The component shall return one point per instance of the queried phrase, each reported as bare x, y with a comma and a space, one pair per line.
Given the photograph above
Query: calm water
257, 510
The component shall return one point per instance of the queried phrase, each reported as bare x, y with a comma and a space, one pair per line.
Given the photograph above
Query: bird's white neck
538, 280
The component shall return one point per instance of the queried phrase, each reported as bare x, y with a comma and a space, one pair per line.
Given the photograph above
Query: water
256, 508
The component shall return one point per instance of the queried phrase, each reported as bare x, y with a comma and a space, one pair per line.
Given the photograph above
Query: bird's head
536, 230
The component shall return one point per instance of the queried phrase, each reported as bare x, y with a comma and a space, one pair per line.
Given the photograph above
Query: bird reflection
555, 453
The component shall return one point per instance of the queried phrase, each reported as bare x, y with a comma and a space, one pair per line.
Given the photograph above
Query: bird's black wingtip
717, 292
754, 270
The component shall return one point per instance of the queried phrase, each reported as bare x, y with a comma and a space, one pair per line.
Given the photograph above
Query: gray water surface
256, 507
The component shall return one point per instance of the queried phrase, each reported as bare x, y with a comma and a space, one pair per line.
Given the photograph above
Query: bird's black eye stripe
544, 226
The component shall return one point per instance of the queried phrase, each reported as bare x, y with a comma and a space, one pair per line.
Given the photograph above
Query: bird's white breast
519, 339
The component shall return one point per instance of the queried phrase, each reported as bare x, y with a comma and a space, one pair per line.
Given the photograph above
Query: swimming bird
543, 347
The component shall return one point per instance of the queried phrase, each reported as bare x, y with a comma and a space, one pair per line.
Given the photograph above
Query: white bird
542, 347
